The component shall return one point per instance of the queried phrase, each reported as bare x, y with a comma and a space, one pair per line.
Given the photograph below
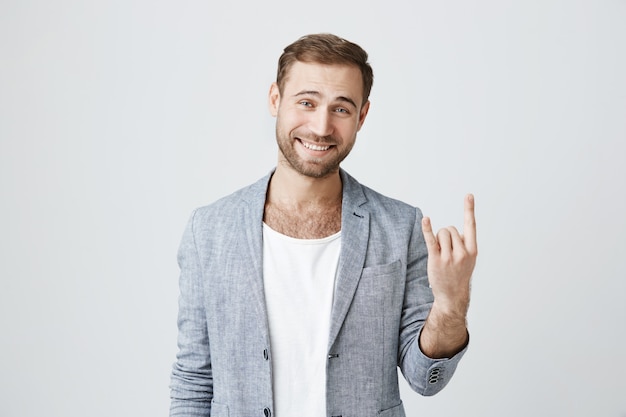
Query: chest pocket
219, 410
376, 296
379, 283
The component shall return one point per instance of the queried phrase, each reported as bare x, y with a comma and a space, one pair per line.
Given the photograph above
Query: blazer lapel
354, 239
252, 224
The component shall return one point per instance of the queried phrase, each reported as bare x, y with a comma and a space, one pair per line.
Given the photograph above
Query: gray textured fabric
381, 301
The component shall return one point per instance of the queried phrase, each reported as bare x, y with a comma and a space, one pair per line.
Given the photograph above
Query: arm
451, 260
433, 337
191, 380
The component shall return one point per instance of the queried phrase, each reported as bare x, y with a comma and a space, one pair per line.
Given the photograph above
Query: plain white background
117, 118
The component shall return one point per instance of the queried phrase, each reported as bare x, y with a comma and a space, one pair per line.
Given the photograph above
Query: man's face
318, 116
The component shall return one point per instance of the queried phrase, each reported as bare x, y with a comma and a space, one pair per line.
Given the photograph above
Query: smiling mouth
314, 147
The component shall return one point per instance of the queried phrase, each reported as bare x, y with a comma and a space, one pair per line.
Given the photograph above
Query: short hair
328, 49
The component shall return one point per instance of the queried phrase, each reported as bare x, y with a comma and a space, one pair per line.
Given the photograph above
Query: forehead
333, 80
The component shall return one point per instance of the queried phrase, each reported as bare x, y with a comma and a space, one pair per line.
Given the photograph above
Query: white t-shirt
299, 281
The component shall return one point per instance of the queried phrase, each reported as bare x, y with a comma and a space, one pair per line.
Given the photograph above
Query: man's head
320, 101
327, 49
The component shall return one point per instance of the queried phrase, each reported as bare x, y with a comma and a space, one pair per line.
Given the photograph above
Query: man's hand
451, 260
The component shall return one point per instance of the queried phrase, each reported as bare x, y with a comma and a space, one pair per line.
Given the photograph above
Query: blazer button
267, 412
434, 376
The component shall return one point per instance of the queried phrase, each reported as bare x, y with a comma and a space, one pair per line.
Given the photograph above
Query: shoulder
394, 225
250, 196
383, 202
378, 203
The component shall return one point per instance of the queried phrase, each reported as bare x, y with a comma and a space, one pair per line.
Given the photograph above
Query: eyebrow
317, 93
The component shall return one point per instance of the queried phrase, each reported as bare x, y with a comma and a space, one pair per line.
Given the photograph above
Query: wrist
443, 336
450, 310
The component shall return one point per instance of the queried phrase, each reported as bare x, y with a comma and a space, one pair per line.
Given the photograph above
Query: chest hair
304, 222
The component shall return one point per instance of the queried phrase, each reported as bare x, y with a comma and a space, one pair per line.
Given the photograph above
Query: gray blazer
381, 301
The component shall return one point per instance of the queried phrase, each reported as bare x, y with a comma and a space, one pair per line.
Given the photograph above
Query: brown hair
328, 49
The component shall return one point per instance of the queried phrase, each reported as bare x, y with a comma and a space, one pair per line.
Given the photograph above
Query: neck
288, 187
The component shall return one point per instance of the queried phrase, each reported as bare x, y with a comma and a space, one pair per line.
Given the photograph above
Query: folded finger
445, 242
456, 239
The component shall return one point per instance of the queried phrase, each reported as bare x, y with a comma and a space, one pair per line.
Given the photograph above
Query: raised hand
451, 261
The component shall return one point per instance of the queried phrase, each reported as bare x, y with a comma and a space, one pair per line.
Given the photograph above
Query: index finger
469, 229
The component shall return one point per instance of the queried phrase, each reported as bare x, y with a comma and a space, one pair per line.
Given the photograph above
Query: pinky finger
431, 240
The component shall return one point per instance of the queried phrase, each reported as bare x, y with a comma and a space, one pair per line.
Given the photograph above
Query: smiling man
301, 294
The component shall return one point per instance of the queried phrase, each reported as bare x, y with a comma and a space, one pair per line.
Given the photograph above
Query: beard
311, 166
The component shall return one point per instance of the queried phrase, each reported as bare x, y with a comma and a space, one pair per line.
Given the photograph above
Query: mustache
309, 137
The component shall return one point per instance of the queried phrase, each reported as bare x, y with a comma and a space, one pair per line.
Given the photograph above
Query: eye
305, 103
342, 110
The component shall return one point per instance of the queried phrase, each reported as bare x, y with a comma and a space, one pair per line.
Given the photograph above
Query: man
302, 293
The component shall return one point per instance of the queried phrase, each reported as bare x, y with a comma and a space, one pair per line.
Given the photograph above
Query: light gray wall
117, 118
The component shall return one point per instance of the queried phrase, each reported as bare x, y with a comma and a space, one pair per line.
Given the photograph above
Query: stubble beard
312, 167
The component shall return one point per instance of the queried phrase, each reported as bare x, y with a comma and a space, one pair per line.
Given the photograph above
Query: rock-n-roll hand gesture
451, 260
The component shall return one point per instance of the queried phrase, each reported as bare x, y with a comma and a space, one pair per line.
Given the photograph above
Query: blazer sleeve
425, 375
191, 388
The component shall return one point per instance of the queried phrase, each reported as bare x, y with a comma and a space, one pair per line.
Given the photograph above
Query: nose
321, 123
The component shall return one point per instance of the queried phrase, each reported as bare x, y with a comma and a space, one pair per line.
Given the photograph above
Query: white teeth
315, 147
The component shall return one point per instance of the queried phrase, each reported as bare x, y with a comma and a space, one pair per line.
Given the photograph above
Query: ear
274, 99
363, 114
